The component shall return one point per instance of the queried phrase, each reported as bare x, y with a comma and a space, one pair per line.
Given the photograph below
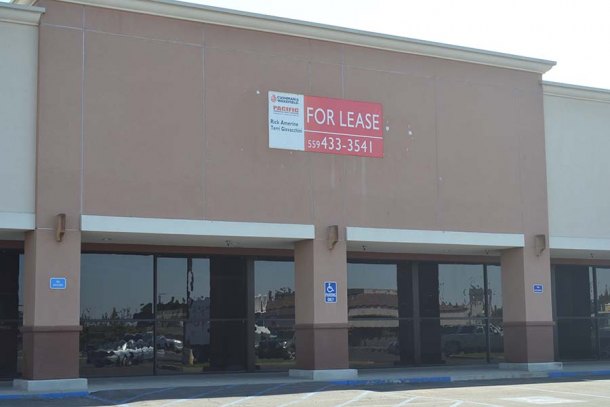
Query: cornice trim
576, 92
20, 14
285, 26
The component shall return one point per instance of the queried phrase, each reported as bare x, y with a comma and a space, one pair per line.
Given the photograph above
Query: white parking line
407, 401
260, 393
569, 392
457, 402
198, 395
306, 396
358, 397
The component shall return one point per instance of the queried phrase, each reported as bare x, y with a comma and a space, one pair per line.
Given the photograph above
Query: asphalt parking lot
572, 392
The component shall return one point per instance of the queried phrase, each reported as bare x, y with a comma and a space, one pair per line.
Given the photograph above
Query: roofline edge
279, 25
20, 14
575, 91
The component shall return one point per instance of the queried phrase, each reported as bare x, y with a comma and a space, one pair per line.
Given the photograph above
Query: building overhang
13, 225
189, 232
576, 92
430, 241
20, 14
322, 32
579, 248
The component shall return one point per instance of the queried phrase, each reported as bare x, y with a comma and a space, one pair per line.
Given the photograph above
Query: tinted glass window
461, 290
171, 288
274, 289
603, 292
494, 291
116, 286
274, 315
198, 290
372, 290
573, 291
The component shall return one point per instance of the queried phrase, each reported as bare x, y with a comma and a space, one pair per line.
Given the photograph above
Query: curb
45, 396
410, 380
362, 382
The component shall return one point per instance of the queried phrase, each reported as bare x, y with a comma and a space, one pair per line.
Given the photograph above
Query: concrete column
528, 316
51, 316
321, 328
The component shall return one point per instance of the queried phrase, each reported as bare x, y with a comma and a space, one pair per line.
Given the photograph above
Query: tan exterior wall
174, 125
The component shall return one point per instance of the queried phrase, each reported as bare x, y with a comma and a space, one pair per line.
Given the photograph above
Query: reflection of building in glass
275, 305
372, 303
197, 331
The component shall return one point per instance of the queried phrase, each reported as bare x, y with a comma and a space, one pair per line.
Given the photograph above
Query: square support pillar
527, 305
51, 316
321, 327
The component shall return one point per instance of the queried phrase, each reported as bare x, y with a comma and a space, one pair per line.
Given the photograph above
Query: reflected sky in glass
115, 281
371, 276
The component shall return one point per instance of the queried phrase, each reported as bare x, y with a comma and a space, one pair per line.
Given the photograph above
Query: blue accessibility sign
538, 288
57, 283
330, 292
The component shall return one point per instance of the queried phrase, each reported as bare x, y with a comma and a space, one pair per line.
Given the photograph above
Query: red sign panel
325, 125
346, 127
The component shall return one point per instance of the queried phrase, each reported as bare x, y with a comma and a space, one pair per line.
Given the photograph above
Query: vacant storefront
211, 191
582, 311
168, 314
418, 313
159, 314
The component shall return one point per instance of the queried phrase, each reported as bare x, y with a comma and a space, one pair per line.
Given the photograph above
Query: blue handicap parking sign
538, 288
330, 291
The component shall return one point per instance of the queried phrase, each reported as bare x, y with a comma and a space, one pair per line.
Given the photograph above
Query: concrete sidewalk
438, 374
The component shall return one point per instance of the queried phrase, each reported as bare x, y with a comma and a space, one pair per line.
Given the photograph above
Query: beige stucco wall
578, 142
18, 77
174, 125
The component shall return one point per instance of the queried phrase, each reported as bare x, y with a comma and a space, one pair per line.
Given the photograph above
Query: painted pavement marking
198, 395
542, 400
306, 396
260, 393
358, 397
568, 393
407, 401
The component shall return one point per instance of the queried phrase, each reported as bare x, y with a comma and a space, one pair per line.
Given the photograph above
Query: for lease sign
325, 125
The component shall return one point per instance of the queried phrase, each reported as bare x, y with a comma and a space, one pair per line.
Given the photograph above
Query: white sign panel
286, 121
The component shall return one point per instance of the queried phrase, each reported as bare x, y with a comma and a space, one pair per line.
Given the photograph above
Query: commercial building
173, 203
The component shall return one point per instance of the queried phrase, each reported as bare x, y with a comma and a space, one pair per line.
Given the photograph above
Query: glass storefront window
574, 291
116, 286
423, 313
576, 338
496, 340
274, 298
374, 343
464, 341
461, 290
372, 290
603, 291
11, 313
171, 288
117, 348
494, 291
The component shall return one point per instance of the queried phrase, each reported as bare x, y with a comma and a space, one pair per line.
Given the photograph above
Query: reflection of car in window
470, 338
275, 348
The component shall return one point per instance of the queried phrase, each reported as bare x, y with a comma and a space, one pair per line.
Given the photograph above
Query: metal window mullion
154, 338
486, 305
